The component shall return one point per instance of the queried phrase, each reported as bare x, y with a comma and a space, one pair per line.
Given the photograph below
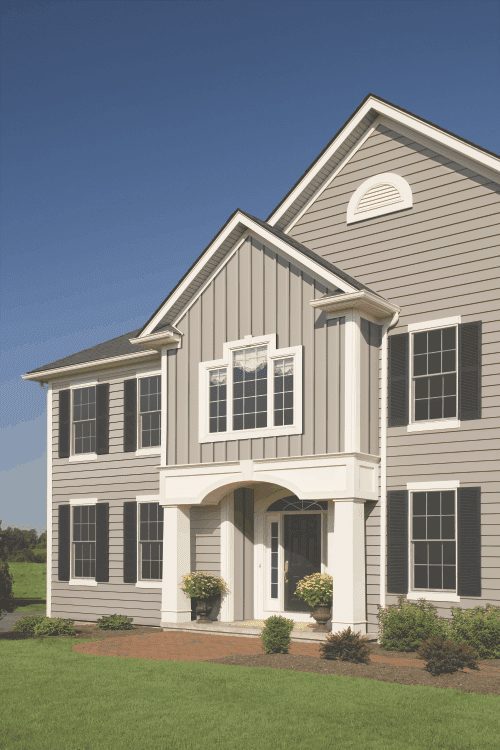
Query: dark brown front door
302, 554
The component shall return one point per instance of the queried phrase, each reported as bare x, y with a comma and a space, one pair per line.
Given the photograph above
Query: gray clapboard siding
439, 258
258, 292
205, 538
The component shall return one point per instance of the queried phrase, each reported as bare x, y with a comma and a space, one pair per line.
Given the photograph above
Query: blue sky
131, 130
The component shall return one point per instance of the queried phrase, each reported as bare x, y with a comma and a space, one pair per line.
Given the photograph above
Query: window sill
154, 451
258, 432
82, 582
148, 584
433, 596
437, 424
78, 457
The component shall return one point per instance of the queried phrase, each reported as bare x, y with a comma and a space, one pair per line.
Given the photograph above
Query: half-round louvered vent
379, 195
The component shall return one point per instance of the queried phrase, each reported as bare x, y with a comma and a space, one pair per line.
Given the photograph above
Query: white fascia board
364, 301
159, 340
45, 375
264, 234
406, 120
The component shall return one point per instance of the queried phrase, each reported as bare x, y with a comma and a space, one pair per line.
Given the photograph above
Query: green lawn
29, 585
53, 698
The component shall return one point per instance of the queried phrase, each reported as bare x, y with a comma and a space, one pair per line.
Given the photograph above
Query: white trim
83, 501
147, 583
446, 595
152, 450
448, 484
268, 237
333, 175
429, 325
81, 457
352, 382
227, 557
402, 187
373, 104
366, 302
77, 503
433, 425
383, 425
164, 392
76, 385
204, 368
57, 372
432, 596
50, 542
82, 582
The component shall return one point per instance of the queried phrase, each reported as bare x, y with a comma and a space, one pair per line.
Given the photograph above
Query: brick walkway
181, 646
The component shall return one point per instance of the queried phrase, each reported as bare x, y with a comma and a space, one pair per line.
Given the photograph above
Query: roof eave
363, 301
44, 376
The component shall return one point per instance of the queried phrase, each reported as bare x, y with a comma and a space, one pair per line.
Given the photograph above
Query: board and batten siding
205, 538
438, 259
112, 478
256, 293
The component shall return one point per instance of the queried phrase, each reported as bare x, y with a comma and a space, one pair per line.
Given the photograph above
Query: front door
302, 554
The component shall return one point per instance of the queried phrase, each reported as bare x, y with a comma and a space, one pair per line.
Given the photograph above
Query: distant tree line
22, 545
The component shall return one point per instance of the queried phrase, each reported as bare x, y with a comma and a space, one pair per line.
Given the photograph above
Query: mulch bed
406, 669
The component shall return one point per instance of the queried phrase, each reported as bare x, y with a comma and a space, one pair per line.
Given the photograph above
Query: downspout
383, 454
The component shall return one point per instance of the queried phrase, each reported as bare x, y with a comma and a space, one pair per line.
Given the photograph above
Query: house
320, 391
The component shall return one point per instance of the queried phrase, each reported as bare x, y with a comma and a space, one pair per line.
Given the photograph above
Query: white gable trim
269, 238
405, 119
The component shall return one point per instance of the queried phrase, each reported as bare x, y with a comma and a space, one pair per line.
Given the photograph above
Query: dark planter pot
203, 609
321, 614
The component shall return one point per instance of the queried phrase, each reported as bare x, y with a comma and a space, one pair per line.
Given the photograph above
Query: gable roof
233, 231
331, 157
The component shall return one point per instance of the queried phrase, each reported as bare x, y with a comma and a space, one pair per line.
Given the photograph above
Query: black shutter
102, 418
64, 536
64, 425
102, 542
398, 380
130, 542
130, 415
469, 373
469, 541
397, 542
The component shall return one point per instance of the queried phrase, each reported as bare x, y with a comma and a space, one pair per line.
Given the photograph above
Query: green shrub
115, 622
26, 625
444, 656
316, 589
345, 646
405, 625
276, 635
479, 628
6, 597
53, 626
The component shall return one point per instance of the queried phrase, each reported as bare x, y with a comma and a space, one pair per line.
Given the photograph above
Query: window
434, 374
150, 411
274, 559
433, 540
254, 391
84, 541
84, 420
150, 541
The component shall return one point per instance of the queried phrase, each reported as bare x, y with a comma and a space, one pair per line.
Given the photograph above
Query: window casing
84, 420
150, 540
149, 408
255, 390
83, 535
434, 374
433, 553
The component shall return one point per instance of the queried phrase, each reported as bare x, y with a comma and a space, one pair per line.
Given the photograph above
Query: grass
55, 698
29, 585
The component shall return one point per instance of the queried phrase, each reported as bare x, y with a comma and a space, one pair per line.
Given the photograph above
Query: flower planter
321, 614
203, 609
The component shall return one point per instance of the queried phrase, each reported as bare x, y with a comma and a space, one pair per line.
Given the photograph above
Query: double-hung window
84, 420
255, 390
434, 374
83, 535
150, 541
433, 540
150, 411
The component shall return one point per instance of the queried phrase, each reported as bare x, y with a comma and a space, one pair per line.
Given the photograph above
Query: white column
352, 381
347, 566
175, 605
227, 556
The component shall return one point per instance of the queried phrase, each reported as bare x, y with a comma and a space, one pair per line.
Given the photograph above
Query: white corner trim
432, 425
432, 596
448, 484
83, 501
82, 582
385, 206
82, 457
48, 611
429, 325
163, 419
204, 434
